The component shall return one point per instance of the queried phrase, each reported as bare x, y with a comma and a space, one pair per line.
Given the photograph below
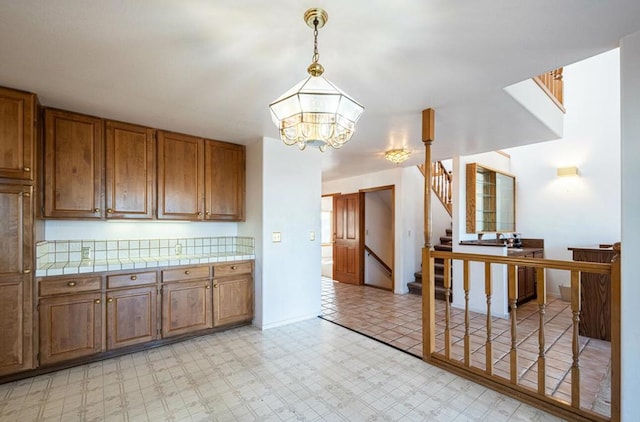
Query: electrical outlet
312, 236
178, 249
86, 252
276, 237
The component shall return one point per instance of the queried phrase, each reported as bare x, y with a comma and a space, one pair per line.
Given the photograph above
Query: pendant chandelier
315, 112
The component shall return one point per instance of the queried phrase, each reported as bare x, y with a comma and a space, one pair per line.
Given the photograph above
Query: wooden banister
441, 184
553, 85
380, 261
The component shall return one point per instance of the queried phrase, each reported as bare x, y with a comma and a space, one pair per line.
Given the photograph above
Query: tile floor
307, 371
396, 320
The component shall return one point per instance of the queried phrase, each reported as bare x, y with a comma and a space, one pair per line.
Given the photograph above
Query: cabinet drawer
222, 270
69, 285
126, 280
181, 274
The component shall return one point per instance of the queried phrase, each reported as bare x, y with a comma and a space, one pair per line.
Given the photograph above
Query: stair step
445, 240
443, 248
415, 288
449, 232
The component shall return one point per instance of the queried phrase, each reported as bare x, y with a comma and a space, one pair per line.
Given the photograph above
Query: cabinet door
131, 317
70, 327
232, 300
16, 231
15, 325
73, 166
180, 176
130, 171
224, 181
186, 307
17, 134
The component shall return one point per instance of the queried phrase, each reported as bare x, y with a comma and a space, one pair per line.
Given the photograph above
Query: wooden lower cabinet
131, 317
70, 327
186, 307
232, 299
15, 326
527, 282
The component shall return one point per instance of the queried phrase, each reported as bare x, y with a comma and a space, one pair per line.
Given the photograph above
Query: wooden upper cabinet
16, 231
17, 134
130, 171
180, 176
224, 181
73, 165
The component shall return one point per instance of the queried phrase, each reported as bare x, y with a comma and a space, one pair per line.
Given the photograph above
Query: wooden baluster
489, 344
447, 308
512, 275
541, 288
467, 343
575, 367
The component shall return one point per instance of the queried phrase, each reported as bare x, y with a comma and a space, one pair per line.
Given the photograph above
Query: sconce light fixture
567, 171
397, 156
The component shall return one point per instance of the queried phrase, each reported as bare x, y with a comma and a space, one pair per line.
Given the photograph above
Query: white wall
288, 286
583, 210
630, 104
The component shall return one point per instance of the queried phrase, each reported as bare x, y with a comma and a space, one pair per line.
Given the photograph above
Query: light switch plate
276, 237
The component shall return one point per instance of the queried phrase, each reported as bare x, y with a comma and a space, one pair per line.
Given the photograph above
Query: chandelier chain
316, 55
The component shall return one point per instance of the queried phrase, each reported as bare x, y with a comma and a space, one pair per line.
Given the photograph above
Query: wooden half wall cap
428, 125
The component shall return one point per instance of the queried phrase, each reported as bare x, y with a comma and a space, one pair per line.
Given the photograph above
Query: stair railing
553, 85
379, 260
441, 184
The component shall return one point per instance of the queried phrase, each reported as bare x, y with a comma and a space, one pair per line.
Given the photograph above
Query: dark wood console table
595, 296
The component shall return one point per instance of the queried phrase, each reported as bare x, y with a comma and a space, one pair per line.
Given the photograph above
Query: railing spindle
489, 343
467, 343
513, 298
575, 310
447, 308
541, 288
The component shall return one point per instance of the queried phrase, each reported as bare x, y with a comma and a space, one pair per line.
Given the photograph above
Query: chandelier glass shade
315, 112
397, 156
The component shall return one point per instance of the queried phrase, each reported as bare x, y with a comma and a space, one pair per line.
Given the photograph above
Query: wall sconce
567, 171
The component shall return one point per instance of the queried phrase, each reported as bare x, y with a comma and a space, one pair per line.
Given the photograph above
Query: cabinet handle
207, 287
215, 286
27, 169
187, 272
208, 213
27, 271
109, 210
110, 300
199, 213
97, 301
96, 210
27, 194
233, 267
71, 283
134, 277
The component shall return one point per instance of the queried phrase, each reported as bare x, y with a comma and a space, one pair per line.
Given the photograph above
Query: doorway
378, 257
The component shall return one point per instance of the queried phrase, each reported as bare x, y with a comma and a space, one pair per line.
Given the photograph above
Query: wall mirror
491, 205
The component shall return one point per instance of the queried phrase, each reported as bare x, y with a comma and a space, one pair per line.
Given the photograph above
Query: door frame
362, 192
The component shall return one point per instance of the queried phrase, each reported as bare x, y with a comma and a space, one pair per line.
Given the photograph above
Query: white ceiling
210, 68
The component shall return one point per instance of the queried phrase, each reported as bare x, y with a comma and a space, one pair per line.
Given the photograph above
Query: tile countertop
91, 266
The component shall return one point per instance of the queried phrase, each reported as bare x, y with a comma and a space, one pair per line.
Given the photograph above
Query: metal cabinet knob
134, 277
27, 271
215, 286
110, 300
109, 210
208, 213
233, 267
187, 272
97, 301
199, 213
96, 210
27, 169
207, 287
71, 283
27, 194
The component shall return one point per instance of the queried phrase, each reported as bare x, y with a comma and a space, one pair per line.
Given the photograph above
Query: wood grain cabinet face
232, 299
130, 171
180, 176
16, 315
186, 307
224, 181
73, 166
131, 317
17, 134
70, 327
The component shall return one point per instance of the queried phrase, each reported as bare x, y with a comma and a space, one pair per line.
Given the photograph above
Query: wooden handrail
441, 184
462, 363
377, 258
553, 85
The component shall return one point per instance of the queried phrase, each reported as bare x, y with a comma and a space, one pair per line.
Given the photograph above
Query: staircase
415, 287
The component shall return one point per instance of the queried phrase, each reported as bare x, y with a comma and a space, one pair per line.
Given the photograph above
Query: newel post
428, 287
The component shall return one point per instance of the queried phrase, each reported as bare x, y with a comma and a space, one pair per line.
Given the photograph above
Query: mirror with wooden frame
491, 205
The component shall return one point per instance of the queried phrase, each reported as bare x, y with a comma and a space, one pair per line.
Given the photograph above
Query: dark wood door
130, 171
16, 258
131, 316
186, 307
232, 299
180, 177
73, 166
347, 247
224, 181
70, 327
17, 134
